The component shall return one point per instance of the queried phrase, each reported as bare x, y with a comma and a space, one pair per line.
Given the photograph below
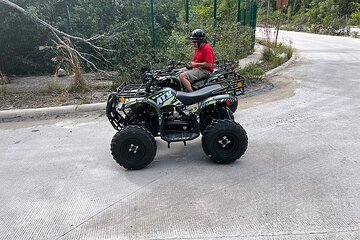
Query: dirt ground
50, 91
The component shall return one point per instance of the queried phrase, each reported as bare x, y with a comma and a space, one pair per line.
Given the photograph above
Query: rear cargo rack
237, 85
231, 82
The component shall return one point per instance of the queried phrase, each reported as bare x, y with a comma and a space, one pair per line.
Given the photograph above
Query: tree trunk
79, 79
294, 5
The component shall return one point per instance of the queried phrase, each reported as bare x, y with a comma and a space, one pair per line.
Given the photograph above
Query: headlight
121, 103
239, 84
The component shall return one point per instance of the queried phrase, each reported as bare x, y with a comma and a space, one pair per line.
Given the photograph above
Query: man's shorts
196, 73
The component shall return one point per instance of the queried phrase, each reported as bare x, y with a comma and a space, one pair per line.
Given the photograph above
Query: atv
140, 112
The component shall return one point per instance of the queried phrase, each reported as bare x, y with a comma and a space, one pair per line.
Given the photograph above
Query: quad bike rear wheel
133, 147
224, 141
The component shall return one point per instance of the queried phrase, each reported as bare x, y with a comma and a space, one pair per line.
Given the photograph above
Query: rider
202, 63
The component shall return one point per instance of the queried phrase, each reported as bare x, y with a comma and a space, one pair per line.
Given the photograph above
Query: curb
23, 114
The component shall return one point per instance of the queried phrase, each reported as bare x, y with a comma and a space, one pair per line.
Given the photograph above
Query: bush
252, 73
355, 18
272, 54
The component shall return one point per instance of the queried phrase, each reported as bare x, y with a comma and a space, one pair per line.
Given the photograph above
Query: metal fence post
215, 10
238, 10
253, 20
69, 28
215, 23
244, 13
187, 11
152, 24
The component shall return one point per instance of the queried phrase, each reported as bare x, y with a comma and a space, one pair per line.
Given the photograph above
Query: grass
54, 87
83, 100
252, 73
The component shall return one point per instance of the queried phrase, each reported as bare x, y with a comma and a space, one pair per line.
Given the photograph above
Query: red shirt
204, 54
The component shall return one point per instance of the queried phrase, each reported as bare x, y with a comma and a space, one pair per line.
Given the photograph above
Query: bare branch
96, 37
66, 46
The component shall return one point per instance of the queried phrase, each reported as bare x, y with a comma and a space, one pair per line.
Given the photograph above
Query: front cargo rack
123, 91
131, 90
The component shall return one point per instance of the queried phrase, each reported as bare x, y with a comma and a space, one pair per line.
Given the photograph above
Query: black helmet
197, 34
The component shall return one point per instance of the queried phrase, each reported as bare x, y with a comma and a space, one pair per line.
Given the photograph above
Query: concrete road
299, 179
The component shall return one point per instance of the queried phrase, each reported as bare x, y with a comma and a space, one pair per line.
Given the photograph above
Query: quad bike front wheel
224, 141
133, 147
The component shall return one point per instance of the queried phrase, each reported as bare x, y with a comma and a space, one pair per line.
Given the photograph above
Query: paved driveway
299, 178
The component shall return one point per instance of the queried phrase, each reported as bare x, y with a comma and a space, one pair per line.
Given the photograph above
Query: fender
216, 100
165, 97
134, 101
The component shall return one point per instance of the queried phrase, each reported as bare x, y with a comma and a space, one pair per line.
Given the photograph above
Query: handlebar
173, 69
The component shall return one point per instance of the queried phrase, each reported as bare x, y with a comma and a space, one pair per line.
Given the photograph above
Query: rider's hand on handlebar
188, 65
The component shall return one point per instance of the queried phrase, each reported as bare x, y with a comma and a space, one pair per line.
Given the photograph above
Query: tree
123, 26
355, 15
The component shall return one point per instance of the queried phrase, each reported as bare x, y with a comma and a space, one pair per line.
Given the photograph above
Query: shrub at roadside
252, 73
273, 56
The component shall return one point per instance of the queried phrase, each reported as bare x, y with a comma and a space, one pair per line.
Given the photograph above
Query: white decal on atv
163, 98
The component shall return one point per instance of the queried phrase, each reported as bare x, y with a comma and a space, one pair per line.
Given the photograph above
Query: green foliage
278, 16
252, 72
355, 16
318, 16
272, 55
322, 17
20, 37
179, 46
233, 41
128, 23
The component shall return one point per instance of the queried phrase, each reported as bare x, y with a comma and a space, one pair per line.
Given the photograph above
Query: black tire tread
125, 131
221, 126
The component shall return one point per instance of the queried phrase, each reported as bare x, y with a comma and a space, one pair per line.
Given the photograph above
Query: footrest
180, 137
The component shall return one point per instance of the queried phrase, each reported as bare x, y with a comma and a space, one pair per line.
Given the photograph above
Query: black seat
196, 96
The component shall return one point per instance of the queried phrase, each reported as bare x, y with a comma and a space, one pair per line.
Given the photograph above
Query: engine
176, 120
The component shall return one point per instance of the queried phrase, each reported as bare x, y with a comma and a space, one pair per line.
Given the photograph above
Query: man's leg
185, 82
